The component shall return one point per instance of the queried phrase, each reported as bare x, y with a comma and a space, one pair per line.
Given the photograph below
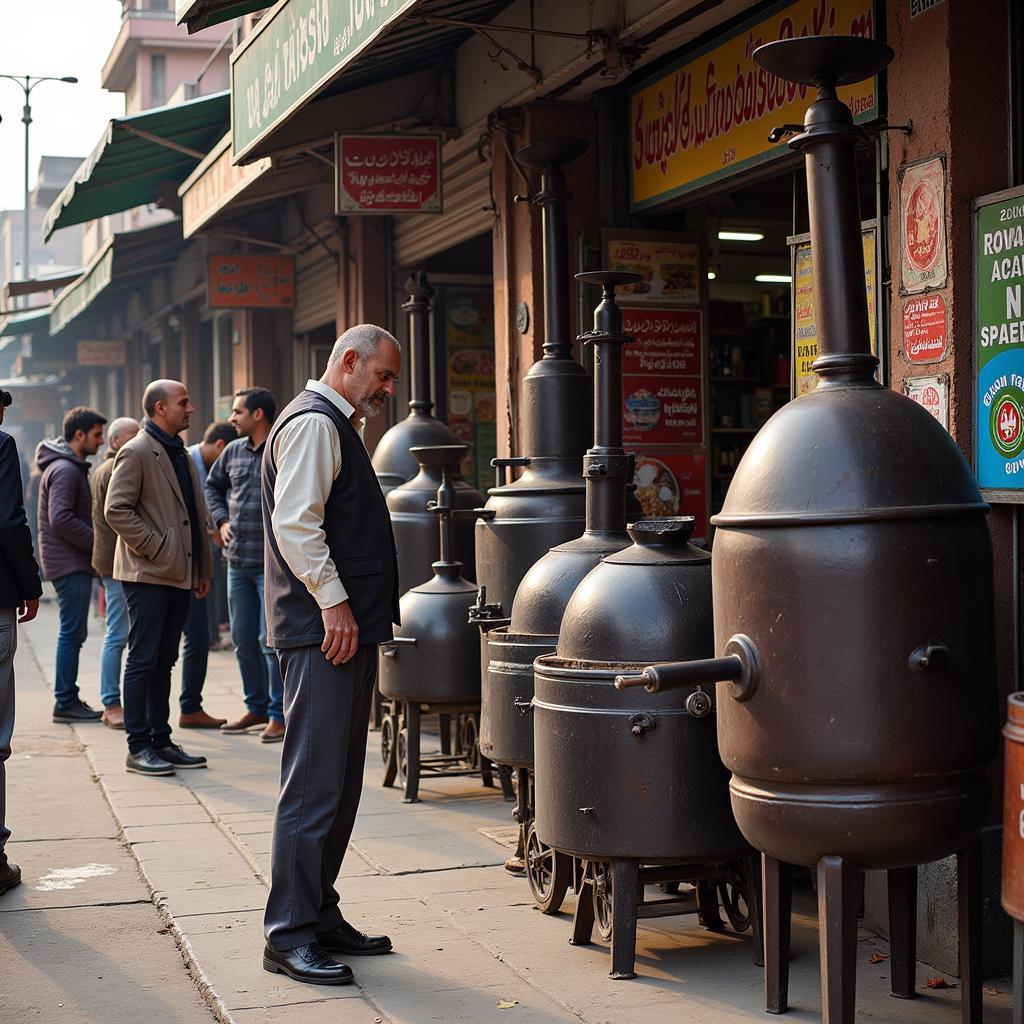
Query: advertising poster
238, 281
396, 173
922, 225
672, 484
932, 394
999, 342
670, 270
662, 377
924, 328
805, 331
469, 342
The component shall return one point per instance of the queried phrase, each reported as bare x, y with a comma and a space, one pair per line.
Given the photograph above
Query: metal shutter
316, 289
467, 200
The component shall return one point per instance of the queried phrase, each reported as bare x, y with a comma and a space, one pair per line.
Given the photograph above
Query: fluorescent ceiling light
711, 275
773, 279
740, 236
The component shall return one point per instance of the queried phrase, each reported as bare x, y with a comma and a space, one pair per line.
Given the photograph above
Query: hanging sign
397, 173
924, 328
709, 116
805, 331
670, 268
214, 184
100, 353
932, 394
922, 225
999, 343
240, 281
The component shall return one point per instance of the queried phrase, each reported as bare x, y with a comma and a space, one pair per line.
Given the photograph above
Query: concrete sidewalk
468, 939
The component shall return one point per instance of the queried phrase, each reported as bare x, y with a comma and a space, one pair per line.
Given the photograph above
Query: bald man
104, 541
155, 506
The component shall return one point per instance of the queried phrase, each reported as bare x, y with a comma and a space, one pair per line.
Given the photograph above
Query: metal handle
500, 465
641, 723
778, 134
390, 649
741, 667
523, 705
924, 656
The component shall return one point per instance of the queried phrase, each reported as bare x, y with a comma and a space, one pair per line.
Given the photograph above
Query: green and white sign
999, 342
295, 51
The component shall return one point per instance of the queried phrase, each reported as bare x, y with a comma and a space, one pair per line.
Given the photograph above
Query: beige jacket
103, 537
146, 510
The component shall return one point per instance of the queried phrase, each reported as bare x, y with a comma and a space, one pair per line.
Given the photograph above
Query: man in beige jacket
155, 506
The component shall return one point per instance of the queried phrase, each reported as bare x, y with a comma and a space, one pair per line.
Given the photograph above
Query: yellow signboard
710, 115
805, 331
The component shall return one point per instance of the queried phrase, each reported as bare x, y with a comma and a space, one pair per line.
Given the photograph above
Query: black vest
359, 537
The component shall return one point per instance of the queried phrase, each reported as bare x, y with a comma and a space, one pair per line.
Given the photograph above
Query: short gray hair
120, 426
365, 339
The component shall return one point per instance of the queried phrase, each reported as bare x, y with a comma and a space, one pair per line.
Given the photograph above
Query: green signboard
296, 50
999, 344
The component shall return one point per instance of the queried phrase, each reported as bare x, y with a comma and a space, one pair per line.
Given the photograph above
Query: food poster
670, 269
468, 312
805, 331
662, 377
673, 484
923, 225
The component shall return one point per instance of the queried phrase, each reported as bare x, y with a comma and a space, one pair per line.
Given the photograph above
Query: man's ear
349, 360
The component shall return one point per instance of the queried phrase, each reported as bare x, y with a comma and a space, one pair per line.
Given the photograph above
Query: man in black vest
331, 592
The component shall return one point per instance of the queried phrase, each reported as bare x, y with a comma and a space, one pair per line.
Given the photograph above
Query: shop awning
389, 42
42, 283
199, 14
118, 266
30, 321
138, 157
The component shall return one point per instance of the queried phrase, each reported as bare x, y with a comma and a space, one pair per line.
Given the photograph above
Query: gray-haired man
331, 579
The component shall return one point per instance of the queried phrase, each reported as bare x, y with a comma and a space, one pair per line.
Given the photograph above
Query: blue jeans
73, 594
261, 675
195, 655
114, 642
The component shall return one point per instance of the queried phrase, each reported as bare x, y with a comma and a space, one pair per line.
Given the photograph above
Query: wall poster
923, 225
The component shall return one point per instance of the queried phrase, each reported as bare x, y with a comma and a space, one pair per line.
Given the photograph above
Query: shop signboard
924, 328
100, 353
708, 117
932, 394
662, 377
393, 173
293, 53
670, 268
805, 331
241, 281
923, 264
673, 484
214, 184
999, 344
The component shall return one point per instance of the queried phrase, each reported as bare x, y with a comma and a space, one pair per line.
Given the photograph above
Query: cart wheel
602, 888
387, 749
403, 757
732, 891
548, 872
469, 736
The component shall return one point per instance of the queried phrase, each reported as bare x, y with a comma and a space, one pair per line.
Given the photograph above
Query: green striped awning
200, 14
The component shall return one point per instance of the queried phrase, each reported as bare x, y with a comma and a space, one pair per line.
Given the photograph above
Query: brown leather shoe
10, 875
200, 720
113, 716
245, 723
273, 733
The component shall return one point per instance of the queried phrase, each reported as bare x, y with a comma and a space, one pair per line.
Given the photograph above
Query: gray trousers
326, 715
8, 645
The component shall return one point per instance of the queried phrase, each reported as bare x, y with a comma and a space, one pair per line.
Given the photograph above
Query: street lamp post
27, 84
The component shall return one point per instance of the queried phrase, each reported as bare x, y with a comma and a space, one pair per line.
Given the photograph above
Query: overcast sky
53, 37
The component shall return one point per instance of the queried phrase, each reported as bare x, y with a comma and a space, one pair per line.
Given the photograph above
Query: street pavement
143, 899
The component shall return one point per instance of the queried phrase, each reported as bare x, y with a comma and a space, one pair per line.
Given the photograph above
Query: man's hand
28, 610
227, 535
341, 633
203, 589
215, 538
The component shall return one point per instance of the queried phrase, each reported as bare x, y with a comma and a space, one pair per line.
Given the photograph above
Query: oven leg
777, 908
968, 877
625, 904
583, 919
903, 932
412, 777
751, 870
838, 899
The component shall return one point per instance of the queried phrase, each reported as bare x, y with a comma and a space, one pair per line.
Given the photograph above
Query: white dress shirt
307, 453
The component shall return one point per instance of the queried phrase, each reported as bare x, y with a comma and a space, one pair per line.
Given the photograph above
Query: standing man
331, 597
155, 506
65, 547
19, 601
195, 657
233, 497
121, 431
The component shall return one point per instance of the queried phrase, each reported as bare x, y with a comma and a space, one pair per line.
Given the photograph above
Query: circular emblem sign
922, 226
1006, 423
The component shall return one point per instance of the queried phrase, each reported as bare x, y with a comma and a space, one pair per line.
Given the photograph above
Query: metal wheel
548, 872
387, 749
469, 734
602, 889
732, 891
403, 757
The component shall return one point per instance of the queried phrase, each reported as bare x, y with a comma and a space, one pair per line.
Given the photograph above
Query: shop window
223, 375
157, 79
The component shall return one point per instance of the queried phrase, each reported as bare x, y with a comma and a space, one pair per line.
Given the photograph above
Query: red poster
924, 328
662, 381
238, 281
388, 174
672, 484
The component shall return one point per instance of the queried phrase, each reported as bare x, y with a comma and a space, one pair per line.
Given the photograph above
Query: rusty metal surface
1013, 808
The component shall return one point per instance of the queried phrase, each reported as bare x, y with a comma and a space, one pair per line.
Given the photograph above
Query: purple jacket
65, 510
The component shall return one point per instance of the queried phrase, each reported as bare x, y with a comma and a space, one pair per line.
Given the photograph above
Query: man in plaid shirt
233, 497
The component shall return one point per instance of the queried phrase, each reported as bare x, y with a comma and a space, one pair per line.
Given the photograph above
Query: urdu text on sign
397, 173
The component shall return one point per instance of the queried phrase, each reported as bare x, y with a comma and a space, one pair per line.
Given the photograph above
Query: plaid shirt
233, 496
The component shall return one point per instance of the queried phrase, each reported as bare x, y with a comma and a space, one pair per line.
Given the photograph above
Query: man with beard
331, 579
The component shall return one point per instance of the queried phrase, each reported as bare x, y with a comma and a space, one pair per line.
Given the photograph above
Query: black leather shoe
352, 942
307, 963
10, 875
145, 762
77, 712
173, 754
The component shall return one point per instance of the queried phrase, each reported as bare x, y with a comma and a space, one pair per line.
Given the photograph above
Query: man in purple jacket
65, 547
